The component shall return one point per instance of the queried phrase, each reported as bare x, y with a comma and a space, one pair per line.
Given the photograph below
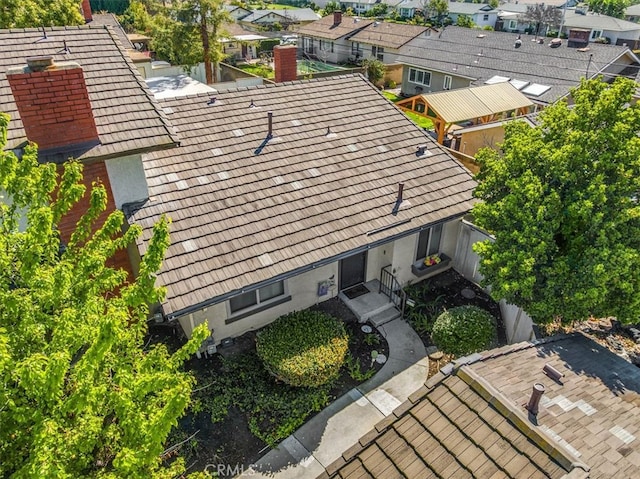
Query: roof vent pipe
270, 119
400, 189
422, 150
552, 372
534, 402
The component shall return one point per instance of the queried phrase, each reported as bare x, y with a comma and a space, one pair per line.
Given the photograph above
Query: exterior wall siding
437, 81
128, 181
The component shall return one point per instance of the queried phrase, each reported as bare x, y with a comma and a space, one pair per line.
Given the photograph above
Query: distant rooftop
175, 86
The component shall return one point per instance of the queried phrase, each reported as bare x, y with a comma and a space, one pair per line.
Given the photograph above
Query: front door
352, 270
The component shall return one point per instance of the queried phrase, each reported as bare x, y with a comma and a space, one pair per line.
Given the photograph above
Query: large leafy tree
562, 202
612, 8
541, 15
436, 10
79, 394
38, 13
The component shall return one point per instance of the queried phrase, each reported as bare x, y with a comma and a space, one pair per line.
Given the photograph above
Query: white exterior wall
127, 178
303, 290
390, 54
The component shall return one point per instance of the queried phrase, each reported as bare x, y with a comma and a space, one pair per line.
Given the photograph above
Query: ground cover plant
464, 330
239, 409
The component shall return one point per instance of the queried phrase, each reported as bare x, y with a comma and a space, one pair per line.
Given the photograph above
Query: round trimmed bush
464, 330
304, 348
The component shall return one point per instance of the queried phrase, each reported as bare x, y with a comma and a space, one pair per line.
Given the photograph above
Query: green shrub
464, 330
304, 348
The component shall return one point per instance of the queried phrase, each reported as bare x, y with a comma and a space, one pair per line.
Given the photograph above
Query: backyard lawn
258, 70
421, 121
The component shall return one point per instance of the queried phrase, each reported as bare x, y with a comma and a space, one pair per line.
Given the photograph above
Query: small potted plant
432, 260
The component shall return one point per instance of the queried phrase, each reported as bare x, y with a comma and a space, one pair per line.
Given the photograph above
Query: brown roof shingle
127, 117
388, 35
449, 431
325, 28
247, 209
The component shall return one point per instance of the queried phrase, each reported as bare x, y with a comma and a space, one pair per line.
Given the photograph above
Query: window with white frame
429, 242
447, 83
419, 76
377, 52
513, 24
259, 297
356, 49
596, 34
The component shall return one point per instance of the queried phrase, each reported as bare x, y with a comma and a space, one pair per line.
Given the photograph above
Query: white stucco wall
128, 182
303, 290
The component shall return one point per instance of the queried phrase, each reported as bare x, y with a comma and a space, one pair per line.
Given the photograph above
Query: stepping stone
468, 293
437, 356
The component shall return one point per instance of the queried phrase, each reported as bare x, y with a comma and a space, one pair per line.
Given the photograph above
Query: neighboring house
236, 12
461, 57
362, 6
291, 193
481, 14
512, 18
615, 30
242, 44
114, 120
470, 421
384, 40
287, 18
632, 13
408, 8
329, 38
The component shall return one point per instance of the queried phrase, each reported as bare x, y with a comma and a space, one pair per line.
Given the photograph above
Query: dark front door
352, 270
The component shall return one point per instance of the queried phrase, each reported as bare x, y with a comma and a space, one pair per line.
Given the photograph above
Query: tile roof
246, 210
388, 35
102, 19
594, 411
452, 428
481, 54
127, 117
324, 28
464, 8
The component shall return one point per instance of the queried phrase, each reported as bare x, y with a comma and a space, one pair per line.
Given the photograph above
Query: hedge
464, 330
304, 348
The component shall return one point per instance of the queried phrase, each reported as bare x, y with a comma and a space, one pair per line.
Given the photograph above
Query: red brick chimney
53, 103
86, 11
337, 17
285, 62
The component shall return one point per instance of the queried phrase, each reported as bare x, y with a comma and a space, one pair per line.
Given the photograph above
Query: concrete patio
324, 438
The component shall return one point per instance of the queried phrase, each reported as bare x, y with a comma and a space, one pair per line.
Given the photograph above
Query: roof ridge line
557, 452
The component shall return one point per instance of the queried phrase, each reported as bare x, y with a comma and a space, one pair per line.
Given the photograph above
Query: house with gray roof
281, 196
470, 420
461, 57
481, 14
359, 7
614, 30
287, 18
632, 13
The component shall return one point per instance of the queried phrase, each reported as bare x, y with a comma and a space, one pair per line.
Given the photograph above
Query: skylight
496, 79
519, 84
535, 89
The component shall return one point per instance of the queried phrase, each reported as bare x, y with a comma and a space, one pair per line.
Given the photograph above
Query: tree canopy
612, 8
38, 13
435, 10
80, 395
562, 202
543, 15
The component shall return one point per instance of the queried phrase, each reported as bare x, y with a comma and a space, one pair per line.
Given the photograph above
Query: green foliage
378, 10
267, 45
375, 69
562, 202
38, 13
304, 348
330, 7
612, 8
275, 410
465, 21
494, 3
258, 70
136, 19
355, 370
371, 339
437, 11
113, 6
541, 15
79, 396
464, 330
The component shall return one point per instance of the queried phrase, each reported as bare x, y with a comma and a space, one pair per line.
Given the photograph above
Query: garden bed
444, 291
237, 400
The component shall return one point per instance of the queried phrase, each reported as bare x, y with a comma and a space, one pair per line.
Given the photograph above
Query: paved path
324, 438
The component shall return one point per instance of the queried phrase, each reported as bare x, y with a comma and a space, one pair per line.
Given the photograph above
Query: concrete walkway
324, 438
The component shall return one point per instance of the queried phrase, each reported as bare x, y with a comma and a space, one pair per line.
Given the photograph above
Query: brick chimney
285, 62
337, 17
86, 11
53, 103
